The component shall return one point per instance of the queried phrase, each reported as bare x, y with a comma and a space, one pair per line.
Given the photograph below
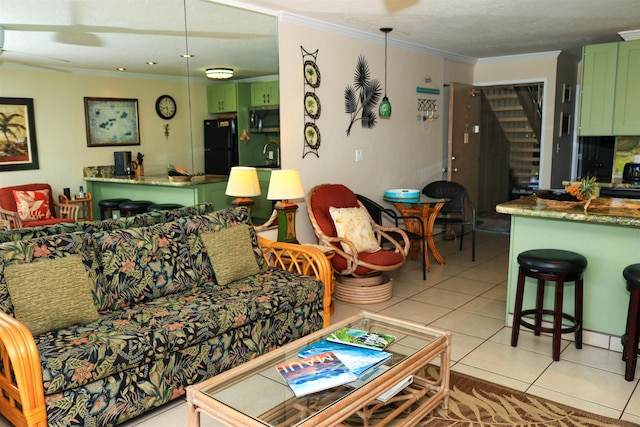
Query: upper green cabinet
610, 98
265, 93
222, 98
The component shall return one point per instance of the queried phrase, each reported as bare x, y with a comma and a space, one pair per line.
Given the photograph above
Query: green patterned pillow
51, 294
231, 253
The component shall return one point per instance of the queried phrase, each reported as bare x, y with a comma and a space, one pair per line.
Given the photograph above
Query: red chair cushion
8, 202
381, 257
325, 196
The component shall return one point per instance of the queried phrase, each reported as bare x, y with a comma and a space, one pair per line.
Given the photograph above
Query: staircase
517, 109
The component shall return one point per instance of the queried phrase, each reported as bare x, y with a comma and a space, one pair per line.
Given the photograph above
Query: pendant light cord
385, 63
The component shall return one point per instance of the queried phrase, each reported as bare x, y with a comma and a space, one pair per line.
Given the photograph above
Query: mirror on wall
66, 38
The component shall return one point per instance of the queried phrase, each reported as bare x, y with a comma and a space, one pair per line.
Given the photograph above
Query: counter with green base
607, 234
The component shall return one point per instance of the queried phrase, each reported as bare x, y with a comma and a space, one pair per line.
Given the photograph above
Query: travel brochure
315, 373
349, 357
360, 338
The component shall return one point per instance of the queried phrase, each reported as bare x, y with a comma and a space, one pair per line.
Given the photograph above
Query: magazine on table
359, 338
359, 360
315, 373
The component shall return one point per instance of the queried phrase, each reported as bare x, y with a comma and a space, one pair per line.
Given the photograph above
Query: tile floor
469, 299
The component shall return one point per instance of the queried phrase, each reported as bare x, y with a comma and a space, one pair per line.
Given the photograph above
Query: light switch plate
359, 155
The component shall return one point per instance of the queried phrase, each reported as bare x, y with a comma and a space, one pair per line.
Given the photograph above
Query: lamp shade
285, 185
243, 182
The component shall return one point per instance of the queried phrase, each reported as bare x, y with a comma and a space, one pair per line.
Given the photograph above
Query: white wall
60, 123
398, 153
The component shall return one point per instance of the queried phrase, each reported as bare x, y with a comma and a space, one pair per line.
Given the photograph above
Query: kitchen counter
608, 235
162, 180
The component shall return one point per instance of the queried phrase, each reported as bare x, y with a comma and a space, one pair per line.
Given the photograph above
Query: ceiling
105, 34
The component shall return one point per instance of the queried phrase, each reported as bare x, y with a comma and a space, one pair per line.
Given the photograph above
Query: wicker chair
8, 209
360, 277
453, 212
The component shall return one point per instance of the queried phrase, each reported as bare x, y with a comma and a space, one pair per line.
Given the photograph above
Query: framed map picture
111, 121
18, 148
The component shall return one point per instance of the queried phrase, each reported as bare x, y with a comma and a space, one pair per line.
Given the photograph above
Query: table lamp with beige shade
284, 186
243, 183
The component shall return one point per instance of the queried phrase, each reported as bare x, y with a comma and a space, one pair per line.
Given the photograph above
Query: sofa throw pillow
354, 224
51, 294
231, 253
33, 205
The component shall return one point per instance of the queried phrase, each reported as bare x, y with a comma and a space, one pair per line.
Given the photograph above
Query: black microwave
264, 119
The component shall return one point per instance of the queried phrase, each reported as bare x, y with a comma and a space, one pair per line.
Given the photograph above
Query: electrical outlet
359, 155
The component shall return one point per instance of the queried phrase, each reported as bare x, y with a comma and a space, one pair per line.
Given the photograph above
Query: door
464, 137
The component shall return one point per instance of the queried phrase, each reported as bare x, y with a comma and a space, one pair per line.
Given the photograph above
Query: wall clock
166, 107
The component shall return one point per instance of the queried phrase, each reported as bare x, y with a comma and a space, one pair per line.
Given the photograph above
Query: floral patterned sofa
98, 326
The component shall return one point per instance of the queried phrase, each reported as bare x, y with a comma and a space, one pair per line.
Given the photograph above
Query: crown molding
630, 35
369, 37
517, 58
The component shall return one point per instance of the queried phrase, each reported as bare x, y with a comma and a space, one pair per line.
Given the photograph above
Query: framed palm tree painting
18, 145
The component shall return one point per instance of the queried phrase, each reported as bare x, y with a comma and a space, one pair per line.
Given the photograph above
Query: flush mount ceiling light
385, 106
219, 73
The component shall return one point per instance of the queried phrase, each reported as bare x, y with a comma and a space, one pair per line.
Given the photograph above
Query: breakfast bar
607, 234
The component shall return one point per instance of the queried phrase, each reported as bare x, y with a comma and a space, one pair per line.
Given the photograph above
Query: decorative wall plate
312, 135
312, 105
311, 74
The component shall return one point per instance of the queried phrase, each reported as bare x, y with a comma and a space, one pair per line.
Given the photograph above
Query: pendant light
385, 106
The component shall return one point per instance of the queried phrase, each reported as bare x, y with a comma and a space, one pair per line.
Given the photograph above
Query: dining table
428, 209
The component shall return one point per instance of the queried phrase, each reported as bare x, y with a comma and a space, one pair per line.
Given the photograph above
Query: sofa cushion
231, 253
141, 333
42, 248
32, 205
218, 220
140, 264
51, 293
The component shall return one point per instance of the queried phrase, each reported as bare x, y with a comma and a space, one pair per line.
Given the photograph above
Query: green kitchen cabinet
626, 117
610, 97
227, 98
265, 93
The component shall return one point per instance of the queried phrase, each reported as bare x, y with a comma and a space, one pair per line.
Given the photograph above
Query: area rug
474, 402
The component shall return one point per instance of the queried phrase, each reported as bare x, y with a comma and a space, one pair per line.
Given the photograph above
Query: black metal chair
376, 212
453, 212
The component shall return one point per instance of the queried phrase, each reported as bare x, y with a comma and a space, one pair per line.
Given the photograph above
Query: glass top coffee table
254, 393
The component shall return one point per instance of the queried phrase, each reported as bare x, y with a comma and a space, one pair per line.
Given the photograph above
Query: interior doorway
493, 140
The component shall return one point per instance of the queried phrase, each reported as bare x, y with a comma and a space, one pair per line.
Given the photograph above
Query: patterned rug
474, 402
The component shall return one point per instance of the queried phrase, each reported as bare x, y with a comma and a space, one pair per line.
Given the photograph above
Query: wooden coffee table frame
428, 394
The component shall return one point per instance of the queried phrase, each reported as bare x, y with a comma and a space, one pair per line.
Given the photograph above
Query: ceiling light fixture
385, 106
219, 73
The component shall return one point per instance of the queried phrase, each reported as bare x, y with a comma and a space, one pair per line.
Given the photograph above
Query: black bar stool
630, 339
107, 206
163, 207
553, 265
134, 207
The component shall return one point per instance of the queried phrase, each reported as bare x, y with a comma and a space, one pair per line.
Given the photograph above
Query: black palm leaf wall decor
361, 99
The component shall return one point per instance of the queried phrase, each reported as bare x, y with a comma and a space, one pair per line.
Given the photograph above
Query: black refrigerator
220, 146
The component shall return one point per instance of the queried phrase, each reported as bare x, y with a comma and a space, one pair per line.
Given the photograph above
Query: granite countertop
161, 180
602, 210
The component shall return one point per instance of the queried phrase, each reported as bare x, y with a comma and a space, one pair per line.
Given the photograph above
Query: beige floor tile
574, 402
469, 324
169, 415
490, 376
462, 344
415, 311
498, 292
521, 365
485, 307
631, 418
596, 358
587, 383
528, 341
467, 286
486, 273
443, 298
633, 407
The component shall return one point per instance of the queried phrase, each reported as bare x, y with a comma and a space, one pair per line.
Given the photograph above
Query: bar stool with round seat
163, 207
134, 207
557, 266
630, 339
107, 206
